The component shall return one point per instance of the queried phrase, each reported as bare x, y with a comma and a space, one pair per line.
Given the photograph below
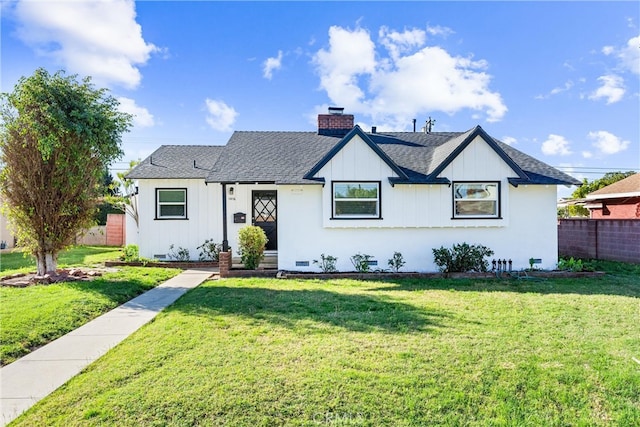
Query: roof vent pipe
374, 129
414, 125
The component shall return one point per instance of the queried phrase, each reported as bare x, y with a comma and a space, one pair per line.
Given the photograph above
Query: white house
341, 191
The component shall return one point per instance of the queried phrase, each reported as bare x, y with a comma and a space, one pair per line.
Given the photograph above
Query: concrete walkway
27, 380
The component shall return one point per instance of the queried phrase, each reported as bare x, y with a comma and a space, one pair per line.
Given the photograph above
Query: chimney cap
336, 110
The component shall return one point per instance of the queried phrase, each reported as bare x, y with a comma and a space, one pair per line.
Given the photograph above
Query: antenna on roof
429, 124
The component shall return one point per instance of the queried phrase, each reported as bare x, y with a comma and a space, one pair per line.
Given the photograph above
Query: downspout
225, 241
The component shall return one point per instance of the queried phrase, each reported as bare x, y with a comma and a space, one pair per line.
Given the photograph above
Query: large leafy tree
607, 179
57, 136
589, 187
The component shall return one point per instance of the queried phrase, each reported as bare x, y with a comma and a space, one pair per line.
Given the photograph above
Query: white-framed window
356, 200
476, 200
171, 203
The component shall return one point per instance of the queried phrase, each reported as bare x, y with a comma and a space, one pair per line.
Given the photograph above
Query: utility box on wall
239, 218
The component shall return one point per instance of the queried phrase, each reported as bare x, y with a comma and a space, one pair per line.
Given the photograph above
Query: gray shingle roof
279, 157
286, 157
177, 161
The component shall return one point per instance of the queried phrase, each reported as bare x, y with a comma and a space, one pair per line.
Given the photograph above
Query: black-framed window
171, 203
477, 200
355, 199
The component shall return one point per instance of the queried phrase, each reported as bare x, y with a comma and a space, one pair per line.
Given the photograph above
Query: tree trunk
46, 262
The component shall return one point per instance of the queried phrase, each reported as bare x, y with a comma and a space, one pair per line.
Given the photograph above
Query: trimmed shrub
252, 242
462, 258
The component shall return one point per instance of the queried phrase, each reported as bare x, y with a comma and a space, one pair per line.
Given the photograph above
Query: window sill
354, 218
458, 218
170, 219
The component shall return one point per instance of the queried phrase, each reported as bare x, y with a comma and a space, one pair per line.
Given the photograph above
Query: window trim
498, 200
158, 217
348, 218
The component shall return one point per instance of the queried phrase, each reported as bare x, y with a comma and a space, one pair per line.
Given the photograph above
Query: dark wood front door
264, 215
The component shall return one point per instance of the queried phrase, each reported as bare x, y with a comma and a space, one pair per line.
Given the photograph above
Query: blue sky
557, 80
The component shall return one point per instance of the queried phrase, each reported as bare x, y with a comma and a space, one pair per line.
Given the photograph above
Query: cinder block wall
607, 239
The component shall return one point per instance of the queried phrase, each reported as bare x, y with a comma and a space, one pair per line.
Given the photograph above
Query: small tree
57, 136
252, 241
123, 193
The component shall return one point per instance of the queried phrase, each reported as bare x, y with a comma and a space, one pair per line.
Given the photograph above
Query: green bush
462, 258
210, 251
361, 262
179, 254
252, 241
130, 253
572, 264
327, 263
396, 262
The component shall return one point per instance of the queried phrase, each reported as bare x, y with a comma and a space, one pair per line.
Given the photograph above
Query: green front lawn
259, 352
86, 256
35, 315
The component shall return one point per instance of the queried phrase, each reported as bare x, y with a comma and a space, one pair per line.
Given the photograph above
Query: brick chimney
335, 123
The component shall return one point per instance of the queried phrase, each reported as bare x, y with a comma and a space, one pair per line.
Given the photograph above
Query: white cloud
556, 145
629, 55
398, 43
439, 31
141, 116
556, 90
587, 154
612, 89
220, 116
271, 64
95, 38
607, 143
509, 140
412, 80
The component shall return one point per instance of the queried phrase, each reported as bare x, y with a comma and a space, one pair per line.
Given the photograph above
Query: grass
18, 261
259, 352
33, 316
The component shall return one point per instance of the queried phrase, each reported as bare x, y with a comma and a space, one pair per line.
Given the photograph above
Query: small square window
476, 200
356, 200
171, 203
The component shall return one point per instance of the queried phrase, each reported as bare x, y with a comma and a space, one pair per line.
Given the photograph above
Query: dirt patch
22, 280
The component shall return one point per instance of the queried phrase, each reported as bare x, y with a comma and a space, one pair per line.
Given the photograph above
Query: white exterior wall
204, 212
240, 202
415, 218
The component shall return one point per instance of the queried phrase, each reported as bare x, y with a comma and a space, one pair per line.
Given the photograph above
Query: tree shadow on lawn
292, 308
628, 286
119, 291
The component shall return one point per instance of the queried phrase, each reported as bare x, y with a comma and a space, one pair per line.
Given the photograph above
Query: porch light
231, 191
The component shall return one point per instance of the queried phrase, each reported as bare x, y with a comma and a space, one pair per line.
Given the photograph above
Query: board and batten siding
241, 202
204, 213
415, 218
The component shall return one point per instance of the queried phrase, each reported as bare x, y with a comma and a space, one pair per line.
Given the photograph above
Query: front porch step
270, 261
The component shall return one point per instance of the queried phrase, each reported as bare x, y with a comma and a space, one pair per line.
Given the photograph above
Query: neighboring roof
295, 157
178, 161
628, 187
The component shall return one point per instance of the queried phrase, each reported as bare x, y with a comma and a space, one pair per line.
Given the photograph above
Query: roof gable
454, 147
311, 175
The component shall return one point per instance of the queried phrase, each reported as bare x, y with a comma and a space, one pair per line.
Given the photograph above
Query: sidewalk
27, 380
